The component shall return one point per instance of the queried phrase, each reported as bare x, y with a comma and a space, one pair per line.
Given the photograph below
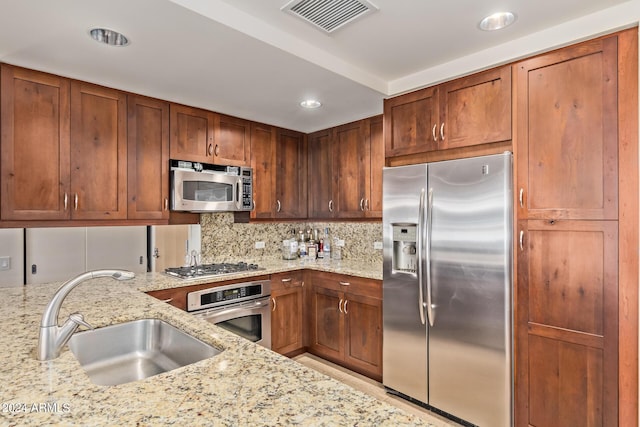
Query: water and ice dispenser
404, 247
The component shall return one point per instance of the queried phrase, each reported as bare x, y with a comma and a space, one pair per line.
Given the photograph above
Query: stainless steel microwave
203, 187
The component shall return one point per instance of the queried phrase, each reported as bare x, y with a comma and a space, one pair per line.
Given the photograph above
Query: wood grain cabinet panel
98, 152
148, 158
232, 141
35, 145
278, 159
345, 170
567, 133
464, 112
287, 321
192, 134
346, 321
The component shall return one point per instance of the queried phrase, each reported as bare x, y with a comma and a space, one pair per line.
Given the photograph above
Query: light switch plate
259, 245
5, 263
377, 245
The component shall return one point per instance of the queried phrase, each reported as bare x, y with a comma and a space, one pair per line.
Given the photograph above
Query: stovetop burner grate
203, 270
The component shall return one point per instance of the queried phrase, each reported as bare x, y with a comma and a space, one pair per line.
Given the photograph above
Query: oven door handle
222, 314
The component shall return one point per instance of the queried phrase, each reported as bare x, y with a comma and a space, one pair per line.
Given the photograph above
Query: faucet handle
78, 319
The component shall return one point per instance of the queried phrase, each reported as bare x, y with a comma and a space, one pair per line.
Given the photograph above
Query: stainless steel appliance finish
241, 308
448, 321
202, 187
203, 270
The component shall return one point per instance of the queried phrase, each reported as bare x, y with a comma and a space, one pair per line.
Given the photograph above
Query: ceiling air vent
329, 15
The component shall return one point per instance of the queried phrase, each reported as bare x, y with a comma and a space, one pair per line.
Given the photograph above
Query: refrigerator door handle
430, 314
421, 240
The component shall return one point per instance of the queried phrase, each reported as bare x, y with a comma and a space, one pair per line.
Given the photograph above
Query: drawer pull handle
433, 132
521, 240
168, 300
521, 197
274, 304
286, 280
442, 132
66, 201
340, 306
345, 283
75, 202
344, 306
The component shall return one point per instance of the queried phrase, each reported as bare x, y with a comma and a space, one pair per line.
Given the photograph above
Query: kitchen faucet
53, 337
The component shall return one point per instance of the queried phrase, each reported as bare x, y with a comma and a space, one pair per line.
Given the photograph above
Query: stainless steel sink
135, 350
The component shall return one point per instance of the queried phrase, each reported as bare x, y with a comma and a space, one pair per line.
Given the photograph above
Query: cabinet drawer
351, 284
286, 280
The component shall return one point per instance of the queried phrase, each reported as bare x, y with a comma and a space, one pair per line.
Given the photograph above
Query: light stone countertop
245, 385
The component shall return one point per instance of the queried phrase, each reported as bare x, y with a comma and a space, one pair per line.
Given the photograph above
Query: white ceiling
249, 59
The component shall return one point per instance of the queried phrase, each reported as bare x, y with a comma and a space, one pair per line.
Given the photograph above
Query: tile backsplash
223, 240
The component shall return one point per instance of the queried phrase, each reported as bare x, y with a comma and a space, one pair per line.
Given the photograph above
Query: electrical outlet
259, 245
340, 242
377, 245
5, 263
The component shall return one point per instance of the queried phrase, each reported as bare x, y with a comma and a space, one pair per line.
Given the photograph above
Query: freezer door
404, 354
471, 275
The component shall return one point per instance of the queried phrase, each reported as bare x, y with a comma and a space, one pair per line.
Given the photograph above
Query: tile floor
370, 387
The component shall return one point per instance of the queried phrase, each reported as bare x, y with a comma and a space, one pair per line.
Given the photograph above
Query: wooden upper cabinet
475, 110
411, 122
568, 133
148, 158
351, 168
468, 111
320, 175
374, 134
98, 152
192, 134
34, 144
232, 141
291, 175
263, 159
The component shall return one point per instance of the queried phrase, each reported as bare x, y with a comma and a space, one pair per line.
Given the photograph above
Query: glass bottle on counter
302, 245
326, 245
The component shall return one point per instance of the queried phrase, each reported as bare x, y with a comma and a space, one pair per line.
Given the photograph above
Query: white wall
11, 245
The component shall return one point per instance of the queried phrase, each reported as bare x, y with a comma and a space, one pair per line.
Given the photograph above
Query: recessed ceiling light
110, 37
310, 103
497, 21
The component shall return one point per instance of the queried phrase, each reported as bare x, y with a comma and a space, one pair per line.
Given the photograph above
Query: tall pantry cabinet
568, 153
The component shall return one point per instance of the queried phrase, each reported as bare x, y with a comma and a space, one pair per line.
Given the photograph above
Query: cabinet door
567, 299
411, 122
327, 323
351, 168
363, 334
191, 134
35, 145
291, 175
98, 152
232, 141
320, 176
263, 159
476, 109
373, 203
287, 312
567, 133
148, 159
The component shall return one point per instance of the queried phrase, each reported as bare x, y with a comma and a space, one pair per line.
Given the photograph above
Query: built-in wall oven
241, 308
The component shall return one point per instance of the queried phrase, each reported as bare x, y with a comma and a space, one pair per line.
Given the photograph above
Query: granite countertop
245, 385
159, 281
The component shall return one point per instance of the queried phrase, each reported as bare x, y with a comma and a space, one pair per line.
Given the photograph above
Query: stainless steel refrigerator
447, 289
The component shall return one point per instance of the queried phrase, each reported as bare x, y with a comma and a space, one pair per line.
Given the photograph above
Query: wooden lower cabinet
345, 321
287, 308
177, 297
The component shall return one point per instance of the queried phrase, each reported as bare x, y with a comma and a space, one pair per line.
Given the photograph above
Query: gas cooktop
204, 270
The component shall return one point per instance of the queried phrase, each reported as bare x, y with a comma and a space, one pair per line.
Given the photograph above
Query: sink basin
135, 350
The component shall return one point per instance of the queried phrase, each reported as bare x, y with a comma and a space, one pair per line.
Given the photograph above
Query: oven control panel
227, 294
